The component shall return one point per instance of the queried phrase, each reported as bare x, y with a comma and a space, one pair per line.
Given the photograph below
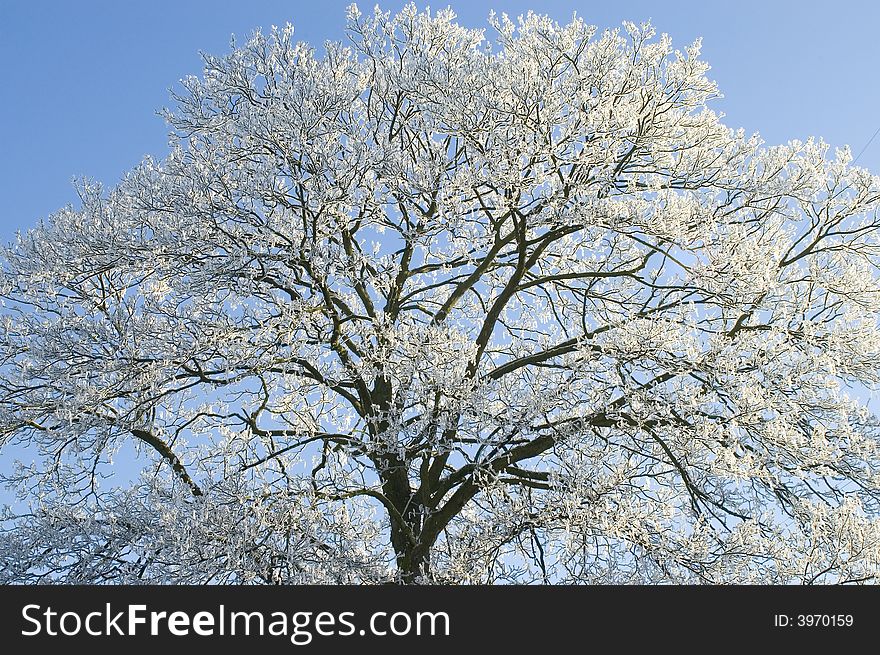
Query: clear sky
81, 81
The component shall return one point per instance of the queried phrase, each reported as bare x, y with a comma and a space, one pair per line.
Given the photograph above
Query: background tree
432, 307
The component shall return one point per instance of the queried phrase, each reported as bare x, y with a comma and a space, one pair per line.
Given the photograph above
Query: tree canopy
450, 305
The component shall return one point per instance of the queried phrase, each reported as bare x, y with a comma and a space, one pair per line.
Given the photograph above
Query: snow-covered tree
450, 305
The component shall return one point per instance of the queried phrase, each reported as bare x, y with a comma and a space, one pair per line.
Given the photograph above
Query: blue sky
82, 80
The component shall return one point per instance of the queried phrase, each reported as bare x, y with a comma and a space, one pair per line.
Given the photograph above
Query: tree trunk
407, 538
406, 508
412, 564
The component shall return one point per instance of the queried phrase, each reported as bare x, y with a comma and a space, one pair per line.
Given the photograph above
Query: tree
430, 307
